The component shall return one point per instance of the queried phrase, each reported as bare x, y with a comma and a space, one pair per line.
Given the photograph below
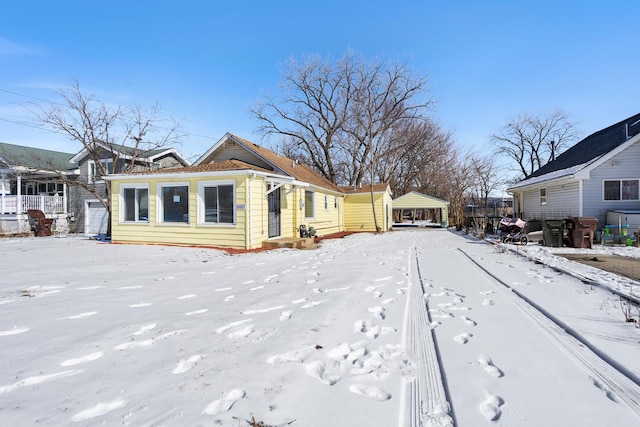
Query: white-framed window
309, 204
326, 202
621, 189
543, 196
335, 202
216, 202
134, 203
94, 174
173, 202
51, 188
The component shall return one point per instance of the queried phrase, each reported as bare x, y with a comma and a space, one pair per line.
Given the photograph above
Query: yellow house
236, 195
361, 203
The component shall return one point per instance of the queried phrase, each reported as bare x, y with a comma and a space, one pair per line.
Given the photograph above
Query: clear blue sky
205, 62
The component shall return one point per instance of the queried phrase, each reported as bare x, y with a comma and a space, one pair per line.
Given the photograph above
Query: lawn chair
40, 224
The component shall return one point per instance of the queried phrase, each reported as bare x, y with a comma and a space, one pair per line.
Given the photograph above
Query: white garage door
96, 218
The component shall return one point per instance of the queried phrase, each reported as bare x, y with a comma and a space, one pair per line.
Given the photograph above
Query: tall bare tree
339, 116
531, 141
121, 134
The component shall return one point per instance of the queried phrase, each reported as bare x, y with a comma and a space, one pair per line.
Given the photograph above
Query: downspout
294, 205
248, 212
580, 198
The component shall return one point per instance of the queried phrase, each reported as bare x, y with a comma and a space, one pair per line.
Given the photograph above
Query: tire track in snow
614, 378
424, 400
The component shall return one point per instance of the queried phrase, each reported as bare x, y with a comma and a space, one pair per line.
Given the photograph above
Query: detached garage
419, 210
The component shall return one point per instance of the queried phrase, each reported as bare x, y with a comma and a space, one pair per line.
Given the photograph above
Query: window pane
630, 190
612, 190
211, 204
175, 203
308, 204
129, 204
143, 204
225, 199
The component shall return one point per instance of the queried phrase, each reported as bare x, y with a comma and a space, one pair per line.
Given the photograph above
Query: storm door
274, 213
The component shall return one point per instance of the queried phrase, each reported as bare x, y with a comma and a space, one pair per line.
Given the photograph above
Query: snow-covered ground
409, 328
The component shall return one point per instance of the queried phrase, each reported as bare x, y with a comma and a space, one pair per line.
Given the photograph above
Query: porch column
19, 194
64, 198
3, 177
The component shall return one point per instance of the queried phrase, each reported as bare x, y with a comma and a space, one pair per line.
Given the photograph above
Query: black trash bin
552, 232
581, 231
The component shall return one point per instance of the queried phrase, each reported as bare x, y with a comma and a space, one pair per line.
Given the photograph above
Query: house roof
419, 199
592, 147
280, 164
364, 188
227, 165
143, 155
35, 158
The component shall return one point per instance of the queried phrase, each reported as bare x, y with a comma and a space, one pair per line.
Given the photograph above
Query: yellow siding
358, 212
325, 221
232, 236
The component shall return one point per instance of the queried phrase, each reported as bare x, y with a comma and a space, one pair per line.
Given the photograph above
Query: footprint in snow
607, 392
191, 313
229, 298
82, 359
369, 391
487, 302
488, 366
286, 315
486, 292
377, 311
98, 410
490, 408
159, 279
296, 356
14, 331
185, 365
224, 404
141, 304
318, 370
468, 321
80, 316
463, 338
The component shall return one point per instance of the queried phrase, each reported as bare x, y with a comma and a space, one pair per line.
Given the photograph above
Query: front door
274, 213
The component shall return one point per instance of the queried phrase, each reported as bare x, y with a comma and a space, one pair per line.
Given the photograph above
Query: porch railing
47, 204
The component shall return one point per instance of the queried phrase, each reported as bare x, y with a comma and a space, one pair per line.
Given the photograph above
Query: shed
417, 209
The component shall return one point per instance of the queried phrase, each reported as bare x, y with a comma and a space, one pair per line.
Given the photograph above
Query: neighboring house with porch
90, 215
598, 175
28, 181
236, 195
46, 180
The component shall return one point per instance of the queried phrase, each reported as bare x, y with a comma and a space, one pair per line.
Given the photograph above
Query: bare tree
310, 112
339, 116
486, 176
462, 178
123, 135
533, 141
419, 150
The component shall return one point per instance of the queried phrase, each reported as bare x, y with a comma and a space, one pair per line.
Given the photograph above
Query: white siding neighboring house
599, 174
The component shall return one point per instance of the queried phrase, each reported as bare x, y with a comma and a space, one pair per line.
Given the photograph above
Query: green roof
36, 158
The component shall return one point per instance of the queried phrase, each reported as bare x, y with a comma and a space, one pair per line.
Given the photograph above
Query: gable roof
593, 146
226, 165
35, 158
420, 199
128, 152
279, 164
587, 154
